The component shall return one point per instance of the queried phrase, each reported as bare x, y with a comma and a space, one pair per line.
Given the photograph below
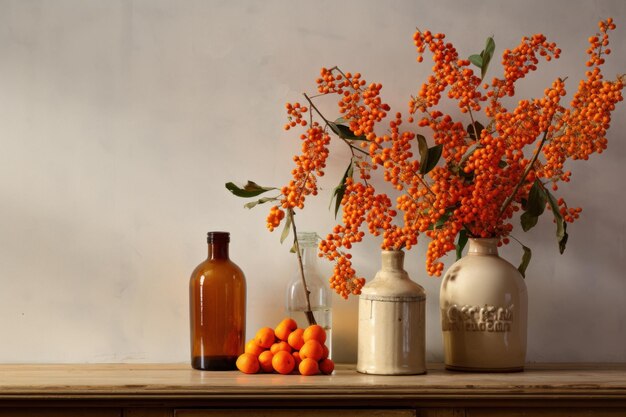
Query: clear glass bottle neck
309, 256
307, 241
218, 250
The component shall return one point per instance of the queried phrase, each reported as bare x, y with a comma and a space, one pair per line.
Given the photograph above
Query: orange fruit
283, 362
265, 360
312, 349
315, 332
295, 339
327, 366
285, 327
253, 348
308, 367
247, 363
277, 347
265, 337
326, 352
296, 356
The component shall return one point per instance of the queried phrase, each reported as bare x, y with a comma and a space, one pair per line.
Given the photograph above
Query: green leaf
473, 129
490, 47
469, 153
340, 190
525, 261
259, 201
344, 132
482, 60
487, 54
561, 226
537, 198
433, 156
467, 176
287, 227
528, 221
251, 189
423, 149
460, 244
563, 241
476, 60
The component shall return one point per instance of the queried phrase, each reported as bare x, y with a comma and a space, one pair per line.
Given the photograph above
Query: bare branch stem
308, 312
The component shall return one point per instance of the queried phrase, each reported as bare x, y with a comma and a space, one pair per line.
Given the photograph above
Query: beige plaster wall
120, 122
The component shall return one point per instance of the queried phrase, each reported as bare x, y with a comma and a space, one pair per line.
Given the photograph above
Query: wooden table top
180, 381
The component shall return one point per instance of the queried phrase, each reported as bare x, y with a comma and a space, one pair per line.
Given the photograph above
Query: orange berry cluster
598, 43
286, 350
487, 176
362, 106
585, 123
296, 114
331, 81
448, 133
362, 109
517, 64
310, 164
394, 154
449, 72
569, 214
360, 205
488, 171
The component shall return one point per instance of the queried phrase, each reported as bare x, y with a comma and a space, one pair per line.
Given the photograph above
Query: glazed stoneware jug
391, 339
484, 308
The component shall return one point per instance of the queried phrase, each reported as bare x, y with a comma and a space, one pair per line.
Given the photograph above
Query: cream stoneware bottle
484, 308
391, 339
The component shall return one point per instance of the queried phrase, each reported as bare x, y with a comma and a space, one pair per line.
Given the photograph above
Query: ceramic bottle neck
483, 247
392, 260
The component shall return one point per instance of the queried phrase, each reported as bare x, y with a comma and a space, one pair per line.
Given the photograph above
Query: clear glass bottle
319, 297
217, 308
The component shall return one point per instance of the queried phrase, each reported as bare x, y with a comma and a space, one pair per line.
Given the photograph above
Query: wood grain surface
180, 381
296, 413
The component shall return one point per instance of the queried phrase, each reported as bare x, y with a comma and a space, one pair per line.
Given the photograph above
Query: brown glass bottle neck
218, 251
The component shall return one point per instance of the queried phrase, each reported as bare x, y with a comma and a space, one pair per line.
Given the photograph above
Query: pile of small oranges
287, 349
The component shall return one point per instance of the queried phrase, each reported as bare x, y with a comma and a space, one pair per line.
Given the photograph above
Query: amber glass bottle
217, 308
